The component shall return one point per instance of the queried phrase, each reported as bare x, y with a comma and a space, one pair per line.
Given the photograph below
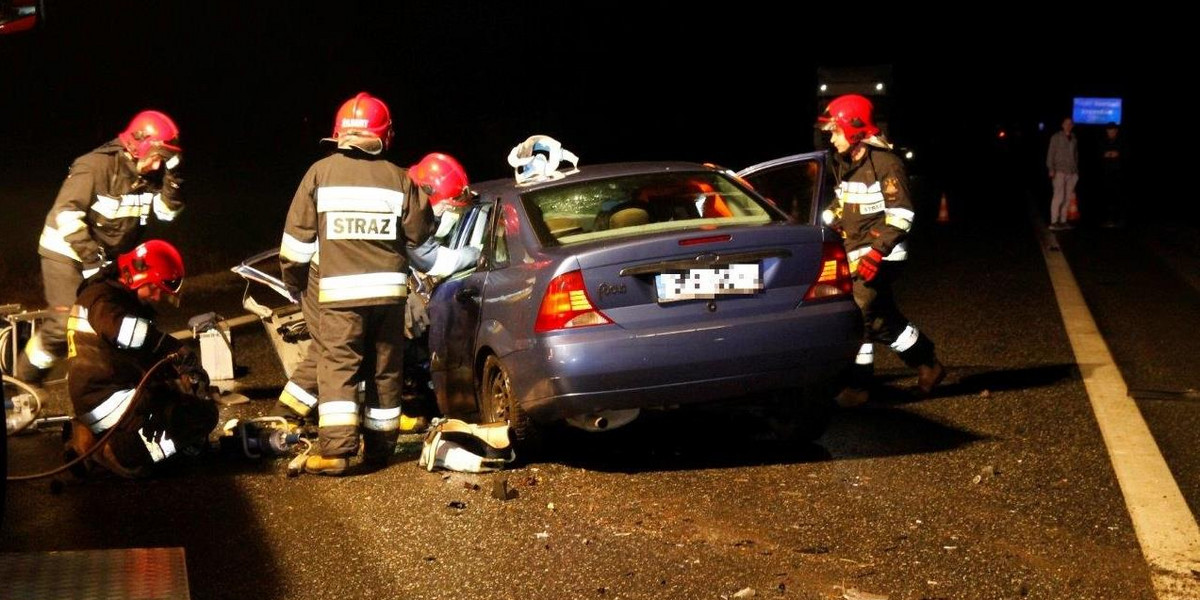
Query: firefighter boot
28, 372
378, 447
928, 376
416, 424
334, 466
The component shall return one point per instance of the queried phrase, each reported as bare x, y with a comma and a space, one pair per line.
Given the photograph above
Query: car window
792, 186
468, 230
498, 244
642, 204
478, 227
472, 230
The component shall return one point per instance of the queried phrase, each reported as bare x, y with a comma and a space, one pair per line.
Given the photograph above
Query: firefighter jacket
111, 343
364, 214
104, 205
872, 208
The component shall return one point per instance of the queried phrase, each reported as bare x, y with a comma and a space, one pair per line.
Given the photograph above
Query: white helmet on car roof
537, 159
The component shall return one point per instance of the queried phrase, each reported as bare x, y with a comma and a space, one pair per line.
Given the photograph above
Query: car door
454, 317
796, 184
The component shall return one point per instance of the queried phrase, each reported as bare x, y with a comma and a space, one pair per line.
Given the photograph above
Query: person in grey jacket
1062, 159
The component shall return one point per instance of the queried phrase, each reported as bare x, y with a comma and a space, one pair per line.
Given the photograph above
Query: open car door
796, 184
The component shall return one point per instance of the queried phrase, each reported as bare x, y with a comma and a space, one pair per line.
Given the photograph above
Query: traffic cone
943, 212
1073, 210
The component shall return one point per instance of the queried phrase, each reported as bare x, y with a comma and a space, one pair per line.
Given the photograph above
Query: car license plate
708, 283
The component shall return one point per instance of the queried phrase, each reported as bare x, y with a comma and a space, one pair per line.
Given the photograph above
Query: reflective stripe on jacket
363, 213
872, 207
111, 342
103, 207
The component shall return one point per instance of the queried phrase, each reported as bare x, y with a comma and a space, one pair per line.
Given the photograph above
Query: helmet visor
167, 152
171, 286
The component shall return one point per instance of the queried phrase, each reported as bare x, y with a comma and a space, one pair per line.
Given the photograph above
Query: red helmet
152, 262
150, 131
852, 114
364, 114
443, 178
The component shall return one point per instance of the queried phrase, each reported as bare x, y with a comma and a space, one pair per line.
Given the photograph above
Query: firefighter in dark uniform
874, 213
299, 395
444, 180
363, 212
113, 344
102, 208
445, 183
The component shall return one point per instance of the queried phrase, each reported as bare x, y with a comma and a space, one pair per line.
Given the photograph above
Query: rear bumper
610, 368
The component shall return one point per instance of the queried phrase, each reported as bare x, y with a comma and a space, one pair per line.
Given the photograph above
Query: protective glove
196, 382
868, 265
184, 360
193, 376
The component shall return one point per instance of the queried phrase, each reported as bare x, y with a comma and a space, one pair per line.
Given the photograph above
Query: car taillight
566, 305
834, 279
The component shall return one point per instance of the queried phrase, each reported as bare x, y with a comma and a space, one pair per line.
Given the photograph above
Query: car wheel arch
525, 432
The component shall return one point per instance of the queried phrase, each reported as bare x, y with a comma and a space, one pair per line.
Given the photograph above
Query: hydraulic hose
129, 410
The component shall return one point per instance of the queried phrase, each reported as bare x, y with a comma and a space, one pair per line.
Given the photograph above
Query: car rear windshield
642, 204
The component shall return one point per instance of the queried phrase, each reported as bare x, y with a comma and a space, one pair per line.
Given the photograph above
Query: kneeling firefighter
119, 361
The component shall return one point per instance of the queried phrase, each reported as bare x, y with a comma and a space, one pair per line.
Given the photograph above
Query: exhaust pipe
604, 420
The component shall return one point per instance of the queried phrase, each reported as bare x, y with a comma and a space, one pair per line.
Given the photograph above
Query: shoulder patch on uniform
891, 187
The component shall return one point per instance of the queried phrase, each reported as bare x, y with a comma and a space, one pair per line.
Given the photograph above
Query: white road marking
1166, 529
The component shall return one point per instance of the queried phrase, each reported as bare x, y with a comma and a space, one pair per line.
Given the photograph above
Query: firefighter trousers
299, 395
883, 323
359, 343
60, 282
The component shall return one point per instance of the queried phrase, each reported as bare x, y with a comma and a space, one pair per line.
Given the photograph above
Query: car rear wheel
497, 403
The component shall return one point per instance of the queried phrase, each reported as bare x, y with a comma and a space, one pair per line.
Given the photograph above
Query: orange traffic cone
944, 211
1073, 210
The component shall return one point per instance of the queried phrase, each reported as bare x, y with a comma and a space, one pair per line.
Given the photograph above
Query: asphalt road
999, 486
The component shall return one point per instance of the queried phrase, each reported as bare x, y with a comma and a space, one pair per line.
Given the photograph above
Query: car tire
496, 404
801, 415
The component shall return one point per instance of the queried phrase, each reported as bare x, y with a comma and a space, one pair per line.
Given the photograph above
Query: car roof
507, 186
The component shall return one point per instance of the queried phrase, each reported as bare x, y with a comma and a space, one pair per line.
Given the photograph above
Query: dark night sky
254, 85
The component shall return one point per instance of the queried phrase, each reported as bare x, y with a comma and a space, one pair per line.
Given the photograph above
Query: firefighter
113, 344
363, 212
874, 213
445, 182
101, 210
299, 395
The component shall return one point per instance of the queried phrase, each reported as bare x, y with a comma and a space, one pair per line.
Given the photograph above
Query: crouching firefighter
127, 376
